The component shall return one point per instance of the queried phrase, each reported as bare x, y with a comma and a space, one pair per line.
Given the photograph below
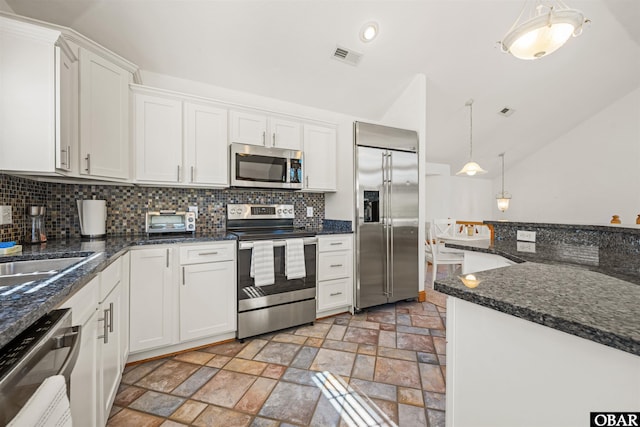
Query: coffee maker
36, 232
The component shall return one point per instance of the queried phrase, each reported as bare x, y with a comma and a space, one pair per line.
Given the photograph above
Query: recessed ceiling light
369, 31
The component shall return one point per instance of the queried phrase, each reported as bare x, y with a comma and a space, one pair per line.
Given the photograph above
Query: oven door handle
278, 243
72, 340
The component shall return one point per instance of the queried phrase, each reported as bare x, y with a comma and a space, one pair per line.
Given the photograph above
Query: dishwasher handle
73, 340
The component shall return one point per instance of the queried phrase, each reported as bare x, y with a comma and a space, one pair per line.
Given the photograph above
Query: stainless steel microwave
262, 167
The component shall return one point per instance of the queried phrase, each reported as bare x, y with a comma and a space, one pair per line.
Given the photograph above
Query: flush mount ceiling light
504, 197
471, 168
369, 31
542, 28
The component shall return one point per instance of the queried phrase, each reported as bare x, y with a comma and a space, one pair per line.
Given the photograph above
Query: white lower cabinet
110, 362
335, 274
175, 302
84, 378
98, 370
207, 294
150, 298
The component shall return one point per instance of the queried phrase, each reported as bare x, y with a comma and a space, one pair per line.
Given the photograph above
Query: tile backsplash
127, 205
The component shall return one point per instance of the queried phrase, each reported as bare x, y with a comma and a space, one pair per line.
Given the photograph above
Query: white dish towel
262, 269
294, 259
48, 406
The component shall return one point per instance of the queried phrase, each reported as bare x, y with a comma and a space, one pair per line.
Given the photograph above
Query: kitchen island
543, 342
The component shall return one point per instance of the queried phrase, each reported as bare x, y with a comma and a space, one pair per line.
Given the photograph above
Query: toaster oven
167, 221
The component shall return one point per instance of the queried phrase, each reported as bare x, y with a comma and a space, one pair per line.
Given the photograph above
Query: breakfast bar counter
549, 339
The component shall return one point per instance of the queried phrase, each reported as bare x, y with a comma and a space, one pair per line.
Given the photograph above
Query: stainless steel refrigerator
386, 165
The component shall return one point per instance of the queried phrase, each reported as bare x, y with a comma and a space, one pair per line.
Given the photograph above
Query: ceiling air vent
347, 56
506, 112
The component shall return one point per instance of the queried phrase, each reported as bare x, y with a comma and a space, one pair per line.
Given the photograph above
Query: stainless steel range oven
285, 302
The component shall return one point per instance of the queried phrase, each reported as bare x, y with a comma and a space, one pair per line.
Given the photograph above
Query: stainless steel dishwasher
48, 347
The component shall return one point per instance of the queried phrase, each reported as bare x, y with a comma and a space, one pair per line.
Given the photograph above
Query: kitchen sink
20, 272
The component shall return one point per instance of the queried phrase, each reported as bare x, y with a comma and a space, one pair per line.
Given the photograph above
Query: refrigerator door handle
390, 195
383, 195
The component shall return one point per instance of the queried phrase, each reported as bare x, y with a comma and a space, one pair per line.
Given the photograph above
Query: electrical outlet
5, 215
194, 209
309, 211
527, 236
526, 247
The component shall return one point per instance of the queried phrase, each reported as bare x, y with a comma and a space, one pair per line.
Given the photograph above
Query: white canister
93, 218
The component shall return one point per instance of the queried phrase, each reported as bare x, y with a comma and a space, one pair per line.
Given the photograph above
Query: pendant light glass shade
503, 198
471, 168
547, 27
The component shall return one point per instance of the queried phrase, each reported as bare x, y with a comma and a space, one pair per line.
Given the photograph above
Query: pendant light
504, 197
471, 168
542, 28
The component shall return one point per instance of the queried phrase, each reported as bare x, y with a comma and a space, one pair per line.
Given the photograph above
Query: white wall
460, 198
472, 199
409, 112
585, 176
5, 7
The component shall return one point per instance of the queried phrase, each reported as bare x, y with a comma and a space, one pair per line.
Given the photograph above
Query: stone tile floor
385, 365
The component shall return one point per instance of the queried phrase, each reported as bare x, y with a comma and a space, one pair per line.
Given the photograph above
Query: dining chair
436, 256
444, 227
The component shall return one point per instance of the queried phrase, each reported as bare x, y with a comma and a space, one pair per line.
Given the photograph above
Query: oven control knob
290, 210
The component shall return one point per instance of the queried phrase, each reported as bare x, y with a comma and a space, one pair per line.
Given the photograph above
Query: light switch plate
5, 215
527, 236
526, 247
309, 211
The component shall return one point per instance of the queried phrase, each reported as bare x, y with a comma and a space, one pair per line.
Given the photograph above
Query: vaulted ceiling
283, 49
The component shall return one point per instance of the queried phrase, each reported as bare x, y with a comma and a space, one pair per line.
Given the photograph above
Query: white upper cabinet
38, 101
260, 129
285, 134
158, 138
319, 158
178, 141
66, 112
205, 143
248, 128
104, 117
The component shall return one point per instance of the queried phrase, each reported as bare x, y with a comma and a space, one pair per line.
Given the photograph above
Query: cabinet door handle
264, 138
105, 327
64, 163
335, 294
208, 253
69, 156
274, 139
167, 257
110, 317
336, 265
335, 243
307, 179
178, 177
191, 173
88, 159
183, 279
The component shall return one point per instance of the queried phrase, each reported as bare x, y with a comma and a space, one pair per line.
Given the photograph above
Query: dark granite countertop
615, 228
20, 309
589, 301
